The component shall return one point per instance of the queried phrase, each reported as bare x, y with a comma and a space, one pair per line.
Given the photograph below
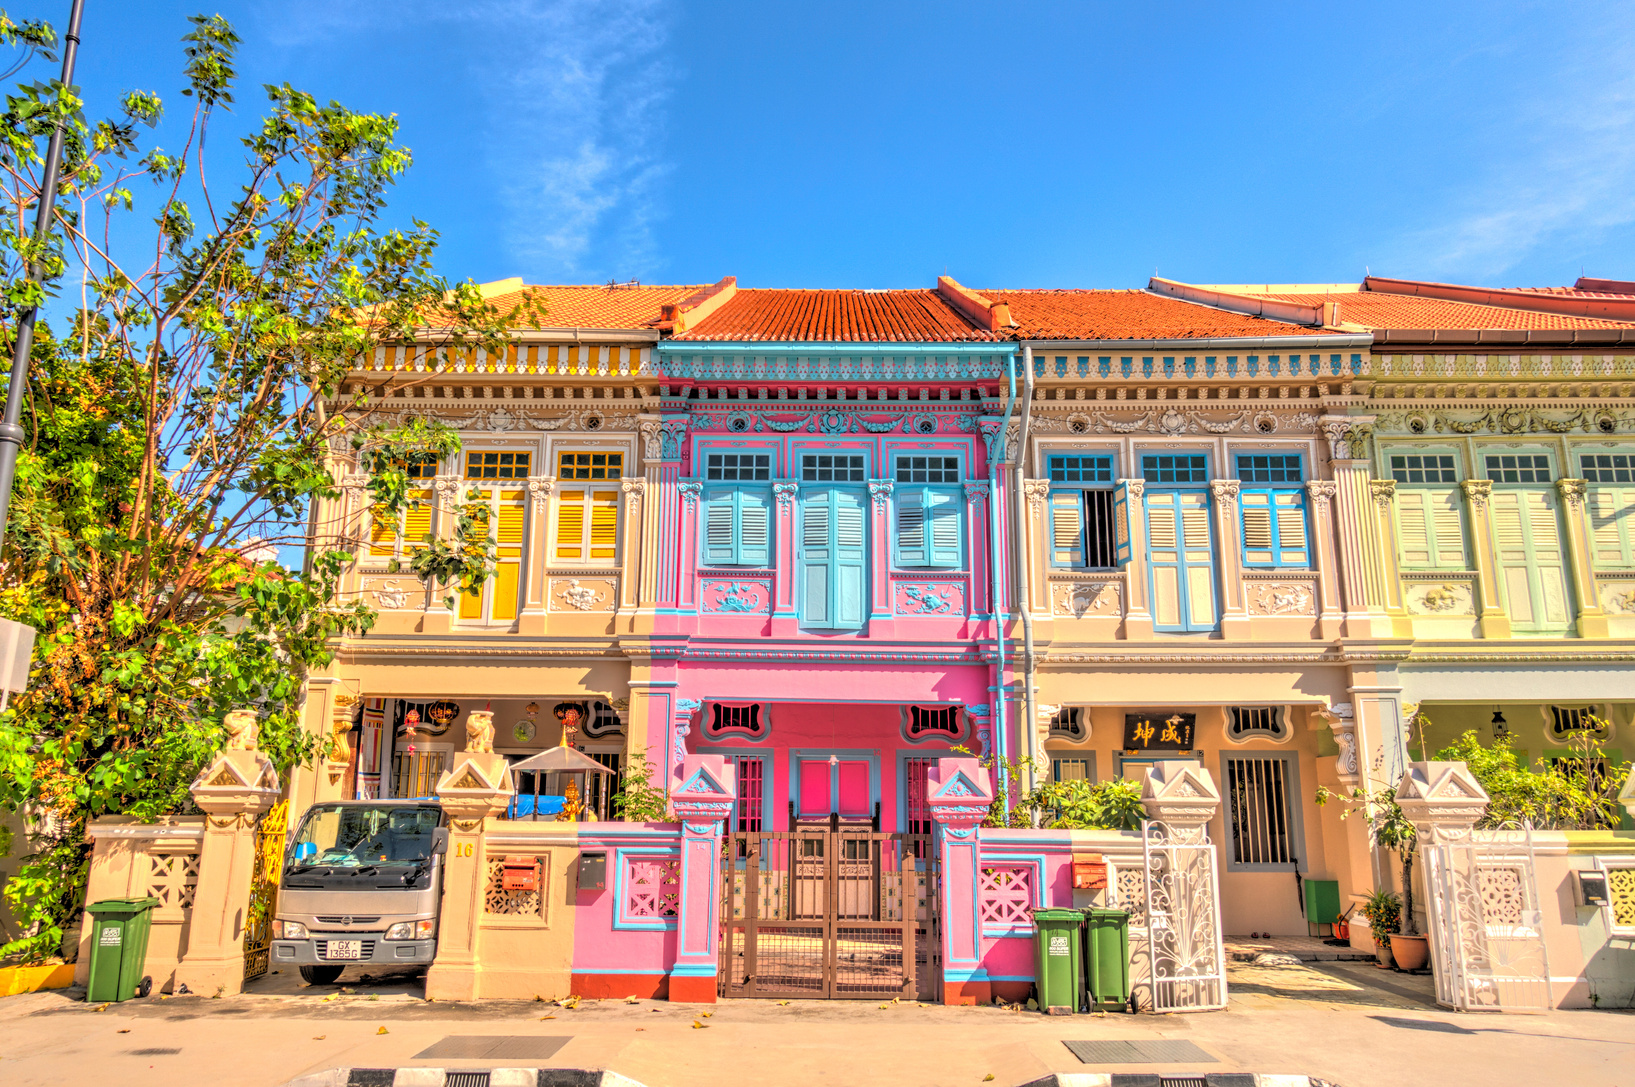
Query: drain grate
480, 1079
474, 1047
1131, 1051
1183, 1081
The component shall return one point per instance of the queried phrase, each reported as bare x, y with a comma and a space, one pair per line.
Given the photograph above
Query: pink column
959, 796
880, 602
703, 798
785, 620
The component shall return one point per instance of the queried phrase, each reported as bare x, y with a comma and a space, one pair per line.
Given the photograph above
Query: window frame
1430, 490
828, 492
1079, 491
1621, 519
1188, 623
950, 497
588, 507
1271, 491
1292, 805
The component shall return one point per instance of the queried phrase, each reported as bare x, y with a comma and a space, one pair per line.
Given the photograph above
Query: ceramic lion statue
480, 732
241, 730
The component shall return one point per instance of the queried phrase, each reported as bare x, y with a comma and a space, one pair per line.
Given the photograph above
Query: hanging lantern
1501, 727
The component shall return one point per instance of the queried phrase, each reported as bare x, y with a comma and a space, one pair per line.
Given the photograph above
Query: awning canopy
554, 759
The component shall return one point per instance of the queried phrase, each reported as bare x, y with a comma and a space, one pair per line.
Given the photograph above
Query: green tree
1577, 792
185, 411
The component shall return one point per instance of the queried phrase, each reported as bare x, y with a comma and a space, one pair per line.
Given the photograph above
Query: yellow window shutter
382, 539
570, 524
1447, 519
510, 525
1413, 528
604, 524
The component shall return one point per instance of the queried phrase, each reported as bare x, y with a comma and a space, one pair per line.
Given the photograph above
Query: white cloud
1562, 170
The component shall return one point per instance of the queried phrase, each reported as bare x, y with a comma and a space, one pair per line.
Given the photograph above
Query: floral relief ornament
633, 489
880, 491
1036, 490
579, 597
1478, 491
1292, 599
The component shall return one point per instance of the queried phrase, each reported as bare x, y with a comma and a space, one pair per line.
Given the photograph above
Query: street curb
1155, 1079
436, 1077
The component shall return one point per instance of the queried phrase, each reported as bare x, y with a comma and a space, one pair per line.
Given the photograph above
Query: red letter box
1089, 872
519, 874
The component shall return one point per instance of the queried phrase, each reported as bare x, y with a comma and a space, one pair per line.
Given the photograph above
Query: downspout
999, 451
1022, 583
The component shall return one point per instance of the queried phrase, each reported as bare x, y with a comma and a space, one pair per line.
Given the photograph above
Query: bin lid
111, 906
1058, 916
1102, 913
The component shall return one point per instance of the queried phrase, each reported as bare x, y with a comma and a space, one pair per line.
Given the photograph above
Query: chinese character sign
1159, 731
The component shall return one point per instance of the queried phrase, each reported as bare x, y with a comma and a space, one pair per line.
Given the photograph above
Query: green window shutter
911, 533
1257, 515
754, 534
849, 561
1530, 558
1448, 525
1612, 536
1413, 529
1430, 528
1067, 529
1293, 545
817, 553
943, 511
718, 529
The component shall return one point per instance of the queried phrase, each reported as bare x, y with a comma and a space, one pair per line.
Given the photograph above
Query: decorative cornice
1035, 489
1572, 492
785, 490
1383, 490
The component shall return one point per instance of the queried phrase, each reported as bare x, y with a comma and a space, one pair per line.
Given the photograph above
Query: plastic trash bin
1056, 959
119, 948
1106, 959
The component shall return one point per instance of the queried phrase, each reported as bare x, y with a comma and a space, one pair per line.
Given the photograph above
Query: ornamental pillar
1234, 610
476, 790
881, 538
536, 580
1137, 612
1325, 559
1494, 621
704, 797
233, 791
785, 616
1592, 618
634, 492
958, 794
1362, 548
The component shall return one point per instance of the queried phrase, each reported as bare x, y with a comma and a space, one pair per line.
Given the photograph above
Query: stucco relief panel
1440, 598
1283, 597
928, 598
573, 594
735, 596
1092, 598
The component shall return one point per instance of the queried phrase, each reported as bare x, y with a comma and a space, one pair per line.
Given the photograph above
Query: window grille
1174, 468
497, 465
928, 470
832, 468
1267, 468
1068, 724
604, 719
1005, 894
1261, 813
1250, 721
589, 465
926, 721
1083, 519
605, 789
1518, 468
742, 719
916, 789
1566, 720
738, 466
1424, 468
1607, 467
1072, 769
748, 814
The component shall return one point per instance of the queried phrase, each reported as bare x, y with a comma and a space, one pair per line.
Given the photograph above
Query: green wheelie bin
1106, 959
119, 948
1056, 959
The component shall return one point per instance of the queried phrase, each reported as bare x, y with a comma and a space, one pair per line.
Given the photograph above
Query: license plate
345, 949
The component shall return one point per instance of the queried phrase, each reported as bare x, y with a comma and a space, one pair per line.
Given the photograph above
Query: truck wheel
321, 975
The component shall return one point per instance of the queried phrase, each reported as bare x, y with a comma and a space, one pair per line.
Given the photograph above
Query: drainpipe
995, 504
1019, 560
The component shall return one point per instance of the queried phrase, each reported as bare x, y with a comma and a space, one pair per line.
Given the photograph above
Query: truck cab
362, 884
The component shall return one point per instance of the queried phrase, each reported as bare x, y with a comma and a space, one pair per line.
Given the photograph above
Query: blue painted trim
620, 922
768, 793
1035, 861
1010, 977
954, 973
690, 970
798, 755
903, 755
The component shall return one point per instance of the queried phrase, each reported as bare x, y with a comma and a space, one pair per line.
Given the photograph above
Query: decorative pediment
1441, 795
470, 774
1180, 793
708, 789
238, 782
703, 782
958, 793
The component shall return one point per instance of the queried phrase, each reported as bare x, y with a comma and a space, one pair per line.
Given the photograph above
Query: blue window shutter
817, 555
1067, 529
1293, 538
719, 530
849, 562
944, 511
911, 534
1121, 525
1180, 560
1257, 520
754, 537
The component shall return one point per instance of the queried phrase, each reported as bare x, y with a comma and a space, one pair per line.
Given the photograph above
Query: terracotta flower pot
1411, 952
1382, 951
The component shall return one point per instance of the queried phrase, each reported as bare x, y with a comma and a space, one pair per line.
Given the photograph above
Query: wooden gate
269, 867
829, 913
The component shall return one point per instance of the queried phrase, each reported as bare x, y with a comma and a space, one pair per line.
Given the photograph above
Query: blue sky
879, 145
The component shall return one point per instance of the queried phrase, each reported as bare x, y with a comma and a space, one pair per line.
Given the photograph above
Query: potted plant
1383, 909
1391, 830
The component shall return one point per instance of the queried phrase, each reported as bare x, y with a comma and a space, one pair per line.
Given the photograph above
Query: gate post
707, 790
1186, 945
958, 793
1441, 800
232, 791
478, 788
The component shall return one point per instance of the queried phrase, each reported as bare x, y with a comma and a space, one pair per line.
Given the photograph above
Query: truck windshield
357, 835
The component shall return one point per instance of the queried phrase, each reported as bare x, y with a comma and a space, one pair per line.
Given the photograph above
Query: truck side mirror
439, 841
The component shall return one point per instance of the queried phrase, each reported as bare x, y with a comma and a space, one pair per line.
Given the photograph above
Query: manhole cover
512, 1047
1119, 1051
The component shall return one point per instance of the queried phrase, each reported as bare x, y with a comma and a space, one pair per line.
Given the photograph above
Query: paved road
1346, 1023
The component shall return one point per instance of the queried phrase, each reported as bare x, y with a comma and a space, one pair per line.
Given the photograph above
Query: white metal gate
1185, 953
1487, 925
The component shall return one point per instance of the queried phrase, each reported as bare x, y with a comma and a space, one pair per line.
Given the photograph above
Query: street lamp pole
11, 429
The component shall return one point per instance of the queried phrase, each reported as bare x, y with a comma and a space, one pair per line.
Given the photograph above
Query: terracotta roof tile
896, 316
600, 306
1049, 314
1377, 309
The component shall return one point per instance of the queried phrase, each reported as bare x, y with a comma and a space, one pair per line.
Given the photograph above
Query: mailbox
1592, 888
593, 871
1089, 872
519, 874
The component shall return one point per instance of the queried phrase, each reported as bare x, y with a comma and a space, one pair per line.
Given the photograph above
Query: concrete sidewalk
1346, 1023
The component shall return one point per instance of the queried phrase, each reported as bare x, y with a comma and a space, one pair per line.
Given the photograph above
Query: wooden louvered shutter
604, 524
816, 552
1527, 549
944, 510
718, 529
1430, 529
1612, 538
1413, 529
1293, 548
1067, 528
1448, 525
1122, 525
849, 561
471, 601
508, 536
570, 524
417, 520
754, 529
382, 532
1198, 558
1164, 560
911, 534
1257, 514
